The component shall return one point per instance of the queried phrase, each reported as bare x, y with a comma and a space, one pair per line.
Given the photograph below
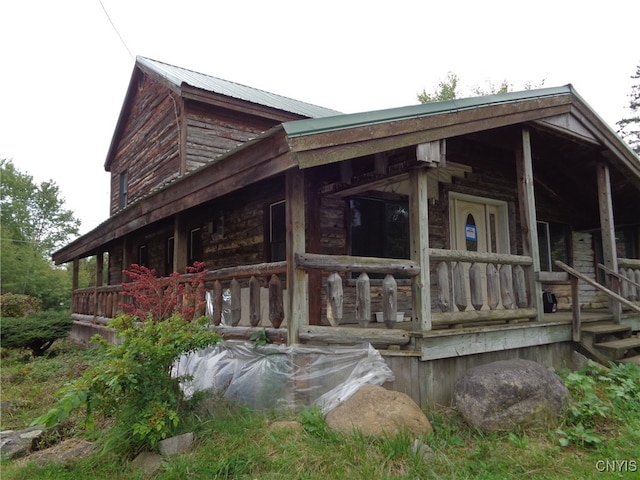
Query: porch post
179, 244
98, 282
419, 238
607, 227
528, 220
74, 284
296, 278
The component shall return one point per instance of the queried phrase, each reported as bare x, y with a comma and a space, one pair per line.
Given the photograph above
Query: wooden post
236, 302
527, 201
389, 300
217, 302
608, 235
475, 286
335, 298
296, 278
575, 307
363, 299
276, 307
419, 246
179, 244
314, 277
97, 308
255, 315
74, 285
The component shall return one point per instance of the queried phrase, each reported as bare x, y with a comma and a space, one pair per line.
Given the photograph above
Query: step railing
575, 298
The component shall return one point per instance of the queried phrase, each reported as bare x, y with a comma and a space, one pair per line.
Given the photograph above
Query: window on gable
379, 228
123, 188
277, 232
553, 244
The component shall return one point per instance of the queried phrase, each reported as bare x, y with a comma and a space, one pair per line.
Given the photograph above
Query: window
168, 265
379, 228
553, 244
277, 232
142, 255
123, 189
195, 246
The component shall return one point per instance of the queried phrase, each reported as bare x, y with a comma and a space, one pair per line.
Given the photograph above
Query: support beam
528, 220
419, 246
179, 244
296, 278
607, 226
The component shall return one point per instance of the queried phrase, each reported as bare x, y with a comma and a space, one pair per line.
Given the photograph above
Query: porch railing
481, 287
338, 266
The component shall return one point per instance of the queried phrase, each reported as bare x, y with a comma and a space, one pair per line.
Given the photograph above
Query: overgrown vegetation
131, 381
235, 442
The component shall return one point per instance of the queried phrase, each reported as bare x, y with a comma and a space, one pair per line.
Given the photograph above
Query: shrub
16, 306
132, 381
36, 332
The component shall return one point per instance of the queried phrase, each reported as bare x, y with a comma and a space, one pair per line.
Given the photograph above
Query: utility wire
116, 30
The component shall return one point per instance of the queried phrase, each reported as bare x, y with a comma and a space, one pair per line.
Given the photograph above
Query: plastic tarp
283, 376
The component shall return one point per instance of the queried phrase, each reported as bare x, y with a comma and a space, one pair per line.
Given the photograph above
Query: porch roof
312, 126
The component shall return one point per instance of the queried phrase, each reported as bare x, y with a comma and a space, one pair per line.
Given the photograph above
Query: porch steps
619, 348
610, 342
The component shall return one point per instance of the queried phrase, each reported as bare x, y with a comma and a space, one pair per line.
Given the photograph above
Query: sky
66, 64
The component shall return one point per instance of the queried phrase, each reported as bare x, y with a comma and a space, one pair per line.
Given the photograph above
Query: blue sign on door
471, 233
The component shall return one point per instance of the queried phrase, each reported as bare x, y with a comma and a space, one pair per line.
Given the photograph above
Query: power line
116, 30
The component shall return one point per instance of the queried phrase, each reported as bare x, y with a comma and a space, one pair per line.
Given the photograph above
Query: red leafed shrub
151, 297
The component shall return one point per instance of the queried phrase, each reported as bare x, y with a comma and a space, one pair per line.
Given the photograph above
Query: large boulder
374, 410
510, 394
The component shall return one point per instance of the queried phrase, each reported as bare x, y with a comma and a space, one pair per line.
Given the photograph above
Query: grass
235, 442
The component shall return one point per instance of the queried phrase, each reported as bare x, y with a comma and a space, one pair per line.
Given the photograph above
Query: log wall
149, 145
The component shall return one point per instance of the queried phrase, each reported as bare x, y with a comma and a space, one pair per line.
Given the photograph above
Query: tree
448, 89
629, 128
33, 222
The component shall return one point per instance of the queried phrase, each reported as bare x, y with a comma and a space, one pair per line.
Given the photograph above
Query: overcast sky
65, 70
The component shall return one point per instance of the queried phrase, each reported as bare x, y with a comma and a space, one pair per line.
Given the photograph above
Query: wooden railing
99, 304
481, 287
575, 276
338, 265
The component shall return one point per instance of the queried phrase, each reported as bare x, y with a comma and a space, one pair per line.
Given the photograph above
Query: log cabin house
430, 231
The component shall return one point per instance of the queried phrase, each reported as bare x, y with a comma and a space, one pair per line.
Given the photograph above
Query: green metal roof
298, 128
179, 76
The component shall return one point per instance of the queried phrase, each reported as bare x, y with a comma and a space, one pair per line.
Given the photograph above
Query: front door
478, 225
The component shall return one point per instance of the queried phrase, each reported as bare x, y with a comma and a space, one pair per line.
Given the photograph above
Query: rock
508, 394
420, 448
64, 452
148, 463
14, 444
374, 410
176, 445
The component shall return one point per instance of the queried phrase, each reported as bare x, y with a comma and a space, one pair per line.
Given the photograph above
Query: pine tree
629, 127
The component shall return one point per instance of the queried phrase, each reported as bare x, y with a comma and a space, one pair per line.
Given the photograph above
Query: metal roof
312, 126
180, 76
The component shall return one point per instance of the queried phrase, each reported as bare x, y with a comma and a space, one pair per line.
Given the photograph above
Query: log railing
480, 287
220, 290
335, 265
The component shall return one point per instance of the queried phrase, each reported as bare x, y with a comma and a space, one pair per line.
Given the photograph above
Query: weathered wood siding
149, 143
212, 132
